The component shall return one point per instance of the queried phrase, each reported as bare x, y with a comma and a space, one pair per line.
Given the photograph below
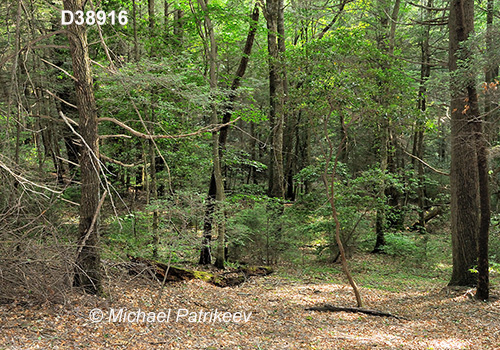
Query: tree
205, 254
87, 269
388, 21
273, 14
464, 165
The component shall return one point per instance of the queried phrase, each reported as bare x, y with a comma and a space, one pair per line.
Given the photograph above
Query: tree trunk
151, 15
491, 73
205, 254
134, 25
178, 27
418, 139
483, 282
387, 162
217, 170
276, 96
87, 270
329, 182
154, 192
464, 165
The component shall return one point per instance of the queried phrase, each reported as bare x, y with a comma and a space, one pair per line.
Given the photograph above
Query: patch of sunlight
450, 343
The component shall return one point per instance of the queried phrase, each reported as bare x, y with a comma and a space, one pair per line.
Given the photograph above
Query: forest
256, 174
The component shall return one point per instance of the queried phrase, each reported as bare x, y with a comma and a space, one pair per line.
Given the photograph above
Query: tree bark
276, 96
178, 27
329, 182
418, 138
87, 270
483, 282
134, 25
217, 170
491, 71
464, 165
151, 15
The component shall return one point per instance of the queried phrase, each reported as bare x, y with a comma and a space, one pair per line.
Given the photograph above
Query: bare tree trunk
151, 14
464, 165
329, 182
14, 89
217, 170
205, 255
483, 282
386, 43
88, 269
178, 27
154, 195
276, 96
418, 139
491, 72
134, 25
166, 15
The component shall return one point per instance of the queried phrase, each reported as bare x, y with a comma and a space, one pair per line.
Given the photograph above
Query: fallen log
167, 273
331, 308
428, 217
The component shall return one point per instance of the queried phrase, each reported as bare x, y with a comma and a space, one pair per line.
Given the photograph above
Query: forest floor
263, 313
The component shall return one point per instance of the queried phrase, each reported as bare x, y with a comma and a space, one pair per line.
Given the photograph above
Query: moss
201, 275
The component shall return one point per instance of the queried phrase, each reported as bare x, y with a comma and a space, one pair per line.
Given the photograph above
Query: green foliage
179, 222
266, 231
399, 244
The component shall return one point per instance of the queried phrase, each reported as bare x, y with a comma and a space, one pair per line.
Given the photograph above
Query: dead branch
210, 128
427, 165
92, 224
62, 70
429, 8
30, 44
63, 101
23, 181
331, 308
102, 137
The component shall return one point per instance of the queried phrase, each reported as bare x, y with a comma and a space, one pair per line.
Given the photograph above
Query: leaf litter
433, 319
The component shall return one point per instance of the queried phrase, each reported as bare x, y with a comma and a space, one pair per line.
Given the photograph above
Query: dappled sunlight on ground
277, 319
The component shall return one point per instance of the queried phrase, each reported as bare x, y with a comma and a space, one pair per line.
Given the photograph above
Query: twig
111, 136
23, 181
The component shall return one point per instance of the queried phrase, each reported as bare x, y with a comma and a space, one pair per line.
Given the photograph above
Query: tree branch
427, 165
210, 128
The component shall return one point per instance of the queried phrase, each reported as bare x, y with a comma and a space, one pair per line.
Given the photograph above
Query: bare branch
429, 8
30, 44
210, 128
92, 224
63, 101
427, 165
23, 181
102, 137
62, 70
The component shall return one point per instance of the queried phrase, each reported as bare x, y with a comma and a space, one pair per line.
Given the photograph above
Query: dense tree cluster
218, 131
